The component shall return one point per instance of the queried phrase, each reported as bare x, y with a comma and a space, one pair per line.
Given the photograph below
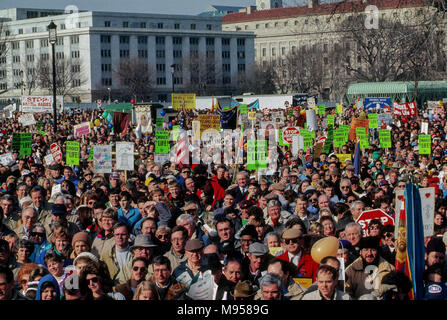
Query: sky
192, 7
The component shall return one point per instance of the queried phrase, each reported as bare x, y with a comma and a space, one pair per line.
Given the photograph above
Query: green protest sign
330, 120
90, 154
329, 140
159, 122
26, 139
345, 128
385, 138
251, 155
244, 108
162, 141
307, 138
39, 125
339, 137
175, 132
261, 154
41, 132
321, 109
362, 136
373, 120
424, 144
72, 153
16, 141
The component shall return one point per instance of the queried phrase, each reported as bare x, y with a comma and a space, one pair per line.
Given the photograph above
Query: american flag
182, 143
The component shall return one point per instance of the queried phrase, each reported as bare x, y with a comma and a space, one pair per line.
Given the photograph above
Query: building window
142, 53
160, 54
106, 67
286, 23
177, 26
105, 39
106, 81
143, 25
76, 68
34, 30
264, 52
283, 50
241, 42
161, 81
106, 53
160, 25
359, 58
226, 54
177, 53
16, 59
124, 39
326, 60
210, 54
60, 41
273, 51
30, 58
294, 49
142, 39
59, 55
306, 21
257, 26
193, 26
226, 80
209, 27
16, 45
20, 31
194, 41
124, 53
241, 67
178, 80
266, 25
75, 54
241, 54
107, 24
160, 40
325, 47
161, 67
225, 42
210, 41
62, 26
226, 67
125, 24
74, 39
176, 40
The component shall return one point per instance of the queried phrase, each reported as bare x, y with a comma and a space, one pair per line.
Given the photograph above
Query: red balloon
132, 101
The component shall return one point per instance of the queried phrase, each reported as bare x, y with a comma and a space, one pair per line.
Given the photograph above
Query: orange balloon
325, 247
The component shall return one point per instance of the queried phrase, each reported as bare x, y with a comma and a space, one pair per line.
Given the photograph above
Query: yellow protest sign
209, 121
188, 100
274, 250
305, 282
343, 157
196, 130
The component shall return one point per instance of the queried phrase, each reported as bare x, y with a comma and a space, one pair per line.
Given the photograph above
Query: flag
415, 262
253, 105
182, 150
227, 110
357, 157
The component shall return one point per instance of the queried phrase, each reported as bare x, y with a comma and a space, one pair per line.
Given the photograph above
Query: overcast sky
144, 6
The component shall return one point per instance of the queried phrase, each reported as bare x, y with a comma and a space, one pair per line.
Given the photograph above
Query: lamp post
172, 73
52, 33
108, 89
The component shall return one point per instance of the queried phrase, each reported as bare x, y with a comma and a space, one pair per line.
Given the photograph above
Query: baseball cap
309, 165
435, 291
114, 175
383, 183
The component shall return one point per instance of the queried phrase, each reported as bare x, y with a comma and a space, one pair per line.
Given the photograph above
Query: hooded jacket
47, 278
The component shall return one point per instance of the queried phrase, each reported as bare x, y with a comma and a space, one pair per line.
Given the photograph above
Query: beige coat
295, 292
174, 259
125, 273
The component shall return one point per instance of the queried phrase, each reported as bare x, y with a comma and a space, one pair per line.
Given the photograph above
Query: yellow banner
180, 100
305, 282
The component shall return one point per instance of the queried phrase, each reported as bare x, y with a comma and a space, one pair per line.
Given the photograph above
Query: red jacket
307, 267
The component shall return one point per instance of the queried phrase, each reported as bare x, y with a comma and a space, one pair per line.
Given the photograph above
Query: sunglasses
344, 187
163, 236
388, 235
94, 280
37, 234
289, 241
139, 268
191, 211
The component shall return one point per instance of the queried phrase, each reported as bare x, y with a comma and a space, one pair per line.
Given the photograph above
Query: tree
69, 76
136, 78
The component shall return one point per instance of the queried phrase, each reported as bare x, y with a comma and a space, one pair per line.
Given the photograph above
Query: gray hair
356, 203
271, 234
185, 216
269, 279
273, 203
346, 180
354, 225
30, 208
38, 225
244, 173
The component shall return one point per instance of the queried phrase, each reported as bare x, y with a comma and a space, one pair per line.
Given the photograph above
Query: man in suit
240, 191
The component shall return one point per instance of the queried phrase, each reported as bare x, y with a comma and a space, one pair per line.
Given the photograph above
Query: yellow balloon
303, 112
91, 124
325, 247
97, 122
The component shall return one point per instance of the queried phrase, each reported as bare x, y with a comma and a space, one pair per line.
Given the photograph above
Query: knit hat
436, 245
369, 243
58, 209
87, 255
80, 236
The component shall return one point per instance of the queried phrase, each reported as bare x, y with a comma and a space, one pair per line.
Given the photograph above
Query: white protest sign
161, 158
424, 128
6, 159
81, 129
56, 189
41, 103
311, 119
310, 103
48, 159
341, 273
27, 119
203, 289
428, 209
124, 156
102, 158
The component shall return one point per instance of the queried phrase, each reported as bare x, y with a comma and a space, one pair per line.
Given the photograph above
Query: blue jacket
48, 278
41, 258
182, 268
131, 218
38, 249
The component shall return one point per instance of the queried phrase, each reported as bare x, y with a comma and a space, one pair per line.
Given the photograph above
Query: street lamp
172, 73
52, 35
108, 89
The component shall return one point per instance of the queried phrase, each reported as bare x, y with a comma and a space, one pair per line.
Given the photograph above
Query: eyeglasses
289, 241
37, 234
388, 235
313, 199
374, 227
139, 268
344, 187
94, 280
163, 236
191, 211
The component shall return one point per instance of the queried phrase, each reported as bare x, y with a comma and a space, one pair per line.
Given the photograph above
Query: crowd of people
152, 233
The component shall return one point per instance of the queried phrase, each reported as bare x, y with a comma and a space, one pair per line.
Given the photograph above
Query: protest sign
102, 158
377, 103
27, 119
385, 138
209, 121
251, 155
310, 103
161, 158
124, 156
251, 115
329, 140
72, 153
343, 157
307, 138
280, 139
49, 159
56, 152
373, 120
81, 129
424, 127
321, 109
385, 119
405, 109
175, 132
243, 108
339, 137
41, 104
311, 119
26, 139
183, 100
195, 130
159, 122
428, 209
143, 117
424, 144
339, 109
289, 132
357, 123
330, 120
162, 141
16, 141
366, 216
6, 159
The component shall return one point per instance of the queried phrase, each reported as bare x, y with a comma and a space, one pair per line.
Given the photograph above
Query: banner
209, 121
42, 104
428, 209
102, 158
143, 117
254, 105
72, 153
405, 109
81, 129
27, 119
124, 156
377, 103
186, 100
385, 138
424, 144
162, 141
356, 123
